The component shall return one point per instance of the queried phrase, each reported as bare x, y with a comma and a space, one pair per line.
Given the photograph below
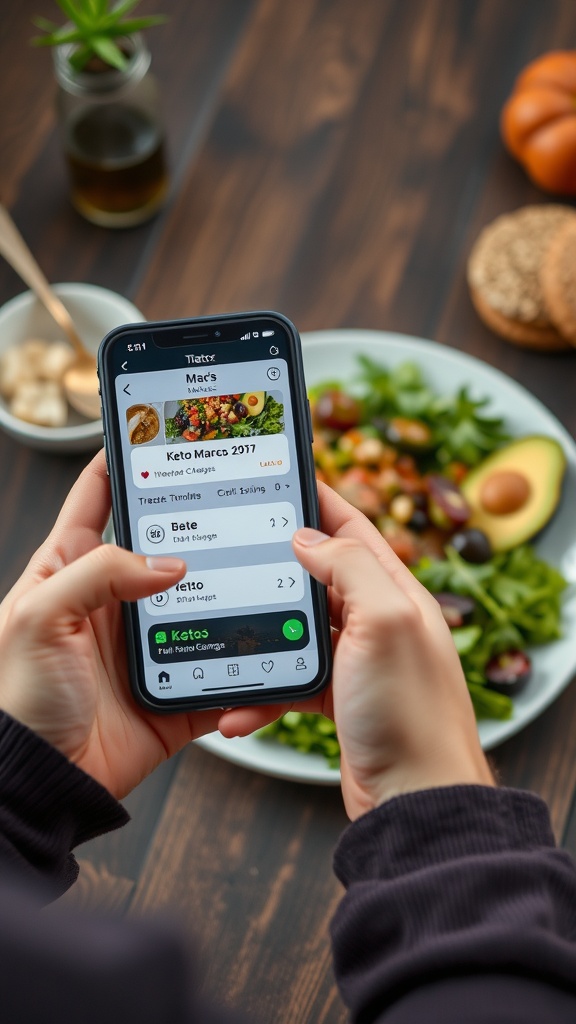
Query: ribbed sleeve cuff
436, 825
47, 807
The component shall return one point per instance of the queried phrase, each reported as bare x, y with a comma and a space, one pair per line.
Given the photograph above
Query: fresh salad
458, 500
215, 417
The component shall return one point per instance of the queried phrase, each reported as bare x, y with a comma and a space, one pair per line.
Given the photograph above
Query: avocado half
254, 402
543, 462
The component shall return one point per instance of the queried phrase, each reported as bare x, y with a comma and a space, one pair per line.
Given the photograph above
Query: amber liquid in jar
115, 156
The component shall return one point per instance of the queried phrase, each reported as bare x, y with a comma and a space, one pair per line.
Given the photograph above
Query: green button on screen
293, 629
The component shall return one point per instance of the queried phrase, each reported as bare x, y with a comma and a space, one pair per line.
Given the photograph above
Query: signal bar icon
245, 337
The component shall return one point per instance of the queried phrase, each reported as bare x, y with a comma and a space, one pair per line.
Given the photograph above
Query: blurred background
326, 155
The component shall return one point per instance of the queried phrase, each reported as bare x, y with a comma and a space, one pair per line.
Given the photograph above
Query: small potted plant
108, 110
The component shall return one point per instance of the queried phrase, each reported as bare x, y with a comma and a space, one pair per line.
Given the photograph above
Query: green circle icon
293, 629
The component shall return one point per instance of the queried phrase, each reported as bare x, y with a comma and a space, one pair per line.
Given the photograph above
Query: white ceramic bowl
95, 311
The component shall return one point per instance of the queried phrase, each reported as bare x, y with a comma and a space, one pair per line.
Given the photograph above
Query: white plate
333, 355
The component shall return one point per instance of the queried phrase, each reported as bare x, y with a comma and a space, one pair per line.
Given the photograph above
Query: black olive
240, 410
181, 420
472, 545
420, 499
419, 520
456, 608
508, 672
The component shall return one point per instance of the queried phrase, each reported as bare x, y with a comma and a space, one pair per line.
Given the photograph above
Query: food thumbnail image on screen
143, 423
212, 417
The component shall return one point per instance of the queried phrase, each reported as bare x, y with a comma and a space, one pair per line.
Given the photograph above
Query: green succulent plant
93, 27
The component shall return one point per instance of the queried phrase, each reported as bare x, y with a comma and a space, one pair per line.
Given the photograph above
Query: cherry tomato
337, 410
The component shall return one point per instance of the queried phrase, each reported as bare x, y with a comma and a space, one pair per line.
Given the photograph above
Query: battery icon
267, 334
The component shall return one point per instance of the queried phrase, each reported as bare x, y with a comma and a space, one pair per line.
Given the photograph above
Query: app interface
210, 464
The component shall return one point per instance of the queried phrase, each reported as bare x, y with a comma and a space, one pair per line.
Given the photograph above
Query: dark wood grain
124, 853
333, 159
248, 857
96, 890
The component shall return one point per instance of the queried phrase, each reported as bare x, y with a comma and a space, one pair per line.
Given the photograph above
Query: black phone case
120, 518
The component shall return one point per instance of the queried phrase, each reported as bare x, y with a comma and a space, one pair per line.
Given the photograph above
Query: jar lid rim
84, 82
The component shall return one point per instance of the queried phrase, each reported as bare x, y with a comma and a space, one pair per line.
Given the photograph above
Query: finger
78, 528
87, 506
105, 574
340, 519
353, 570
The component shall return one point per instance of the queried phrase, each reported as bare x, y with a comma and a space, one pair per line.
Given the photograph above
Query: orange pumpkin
538, 123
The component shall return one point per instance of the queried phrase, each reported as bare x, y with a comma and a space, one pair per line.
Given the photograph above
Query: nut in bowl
95, 311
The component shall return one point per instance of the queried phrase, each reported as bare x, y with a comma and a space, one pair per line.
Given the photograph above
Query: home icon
163, 677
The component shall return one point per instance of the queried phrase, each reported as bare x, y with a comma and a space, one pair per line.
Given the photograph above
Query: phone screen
209, 445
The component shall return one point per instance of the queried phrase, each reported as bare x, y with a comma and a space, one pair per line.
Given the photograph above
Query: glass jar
112, 137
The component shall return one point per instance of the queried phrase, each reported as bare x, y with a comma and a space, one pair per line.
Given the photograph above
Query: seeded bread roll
504, 275
558, 280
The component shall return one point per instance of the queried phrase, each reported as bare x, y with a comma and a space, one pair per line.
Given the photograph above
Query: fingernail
165, 564
308, 537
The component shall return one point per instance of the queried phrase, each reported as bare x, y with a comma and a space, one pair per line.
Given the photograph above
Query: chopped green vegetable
466, 637
306, 732
171, 427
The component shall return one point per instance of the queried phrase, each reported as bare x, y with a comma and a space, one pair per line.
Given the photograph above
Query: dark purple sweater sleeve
458, 908
73, 967
47, 807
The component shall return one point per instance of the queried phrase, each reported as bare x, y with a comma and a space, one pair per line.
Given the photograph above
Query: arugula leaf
518, 604
461, 429
465, 433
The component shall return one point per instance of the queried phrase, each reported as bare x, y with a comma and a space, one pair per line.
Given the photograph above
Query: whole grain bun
504, 270
558, 280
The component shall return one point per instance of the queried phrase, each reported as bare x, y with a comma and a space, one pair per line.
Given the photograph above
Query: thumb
349, 567
107, 573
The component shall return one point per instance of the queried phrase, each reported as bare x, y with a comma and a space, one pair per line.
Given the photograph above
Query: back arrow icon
125, 366
126, 389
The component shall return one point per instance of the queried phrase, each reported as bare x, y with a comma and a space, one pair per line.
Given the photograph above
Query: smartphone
208, 440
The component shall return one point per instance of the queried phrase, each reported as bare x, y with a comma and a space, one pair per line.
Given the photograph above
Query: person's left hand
63, 669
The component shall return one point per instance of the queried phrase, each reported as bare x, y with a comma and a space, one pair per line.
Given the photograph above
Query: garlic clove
55, 361
40, 402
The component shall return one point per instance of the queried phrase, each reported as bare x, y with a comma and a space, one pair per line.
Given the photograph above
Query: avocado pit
504, 492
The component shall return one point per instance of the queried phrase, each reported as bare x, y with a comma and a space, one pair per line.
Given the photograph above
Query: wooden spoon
80, 381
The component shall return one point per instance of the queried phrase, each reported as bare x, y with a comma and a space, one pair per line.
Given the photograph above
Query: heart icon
146, 474
267, 666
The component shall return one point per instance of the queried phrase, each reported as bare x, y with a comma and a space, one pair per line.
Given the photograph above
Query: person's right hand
403, 714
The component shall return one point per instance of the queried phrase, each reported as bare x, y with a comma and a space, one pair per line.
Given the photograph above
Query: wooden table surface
334, 160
